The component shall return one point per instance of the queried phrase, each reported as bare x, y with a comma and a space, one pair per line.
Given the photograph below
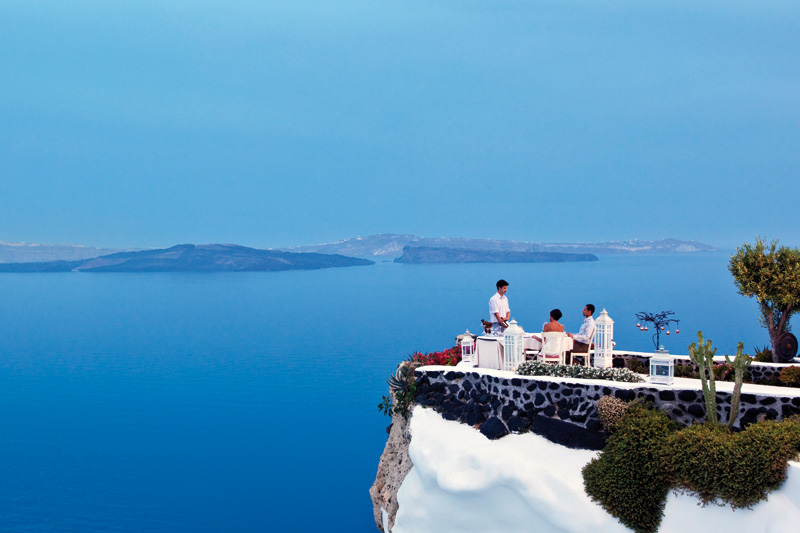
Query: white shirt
586, 332
498, 304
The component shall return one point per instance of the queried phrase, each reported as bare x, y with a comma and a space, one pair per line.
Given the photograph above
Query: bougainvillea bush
449, 357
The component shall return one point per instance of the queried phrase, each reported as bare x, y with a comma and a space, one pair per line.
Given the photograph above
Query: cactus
739, 364
703, 356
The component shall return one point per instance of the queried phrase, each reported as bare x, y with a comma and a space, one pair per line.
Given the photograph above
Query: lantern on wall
514, 353
468, 348
662, 368
603, 341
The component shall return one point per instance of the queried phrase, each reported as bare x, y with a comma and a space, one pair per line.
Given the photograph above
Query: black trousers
577, 347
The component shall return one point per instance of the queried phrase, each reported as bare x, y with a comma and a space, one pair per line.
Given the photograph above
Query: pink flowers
449, 357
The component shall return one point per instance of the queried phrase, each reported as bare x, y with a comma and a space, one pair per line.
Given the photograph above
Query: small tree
772, 275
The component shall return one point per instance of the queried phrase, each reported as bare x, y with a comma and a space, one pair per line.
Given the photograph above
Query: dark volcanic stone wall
564, 411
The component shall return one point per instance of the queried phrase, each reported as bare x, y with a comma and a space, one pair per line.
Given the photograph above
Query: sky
280, 123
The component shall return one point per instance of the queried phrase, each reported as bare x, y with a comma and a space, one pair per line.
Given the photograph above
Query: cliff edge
393, 467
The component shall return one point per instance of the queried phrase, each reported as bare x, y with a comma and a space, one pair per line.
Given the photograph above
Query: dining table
490, 349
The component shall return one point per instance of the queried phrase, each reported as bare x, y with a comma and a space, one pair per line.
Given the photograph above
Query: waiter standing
498, 308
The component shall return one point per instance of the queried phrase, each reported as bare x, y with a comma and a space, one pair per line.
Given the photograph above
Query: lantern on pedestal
662, 368
603, 341
514, 353
468, 348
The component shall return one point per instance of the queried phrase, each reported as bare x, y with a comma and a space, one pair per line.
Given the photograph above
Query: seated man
582, 341
553, 324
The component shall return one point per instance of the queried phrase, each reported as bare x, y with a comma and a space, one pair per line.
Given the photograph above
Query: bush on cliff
627, 478
647, 455
740, 469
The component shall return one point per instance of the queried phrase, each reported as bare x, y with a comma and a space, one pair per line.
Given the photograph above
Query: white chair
587, 355
553, 347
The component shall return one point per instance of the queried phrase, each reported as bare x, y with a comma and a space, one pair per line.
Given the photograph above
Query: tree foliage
771, 274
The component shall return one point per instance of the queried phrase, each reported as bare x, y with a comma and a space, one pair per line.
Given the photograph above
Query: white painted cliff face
463, 482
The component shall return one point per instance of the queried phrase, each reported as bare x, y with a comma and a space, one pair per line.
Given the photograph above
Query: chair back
587, 357
553, 346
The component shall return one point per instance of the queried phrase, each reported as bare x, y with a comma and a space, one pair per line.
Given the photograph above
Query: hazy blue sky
263, 123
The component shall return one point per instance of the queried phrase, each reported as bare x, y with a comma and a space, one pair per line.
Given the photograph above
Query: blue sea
248, 401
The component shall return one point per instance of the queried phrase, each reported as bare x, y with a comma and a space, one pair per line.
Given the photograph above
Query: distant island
425, 254
193, 258
392, 245
358, 251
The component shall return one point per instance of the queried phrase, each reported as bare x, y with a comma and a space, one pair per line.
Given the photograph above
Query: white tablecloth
489, 350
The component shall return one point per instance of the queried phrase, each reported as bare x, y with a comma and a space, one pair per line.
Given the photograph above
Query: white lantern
467, 348
662, 368
603, 341
514, 353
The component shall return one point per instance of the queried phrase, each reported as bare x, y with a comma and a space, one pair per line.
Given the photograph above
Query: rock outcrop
392, 469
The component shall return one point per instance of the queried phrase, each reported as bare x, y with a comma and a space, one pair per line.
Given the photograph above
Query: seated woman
553, 324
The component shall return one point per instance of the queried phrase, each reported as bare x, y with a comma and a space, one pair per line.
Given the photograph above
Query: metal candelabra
660, 323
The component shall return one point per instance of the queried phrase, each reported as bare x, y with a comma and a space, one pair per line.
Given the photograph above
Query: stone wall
564, 410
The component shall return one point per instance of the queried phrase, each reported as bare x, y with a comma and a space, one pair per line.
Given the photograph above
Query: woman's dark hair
556, 314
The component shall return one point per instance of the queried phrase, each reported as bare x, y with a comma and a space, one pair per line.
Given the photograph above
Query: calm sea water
247, 401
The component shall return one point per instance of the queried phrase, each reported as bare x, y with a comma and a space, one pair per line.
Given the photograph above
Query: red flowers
449, 357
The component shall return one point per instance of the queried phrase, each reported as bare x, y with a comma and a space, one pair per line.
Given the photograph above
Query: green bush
722, 372
740, 469
648, 455
791, 376
636, 366
627, 478
686, 371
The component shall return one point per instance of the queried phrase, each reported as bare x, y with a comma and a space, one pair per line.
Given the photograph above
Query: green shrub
538, 368
637, 366
722, 371
764, 355
686, 371
740, 469
648, 455
627, 478
791, 376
